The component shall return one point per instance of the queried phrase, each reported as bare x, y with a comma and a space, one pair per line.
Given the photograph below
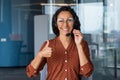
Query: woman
67, 55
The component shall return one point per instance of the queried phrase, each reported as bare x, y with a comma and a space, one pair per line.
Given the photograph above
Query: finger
49, 49
47, 44
76, 31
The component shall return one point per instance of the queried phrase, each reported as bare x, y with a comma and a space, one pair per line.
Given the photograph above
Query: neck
65, 38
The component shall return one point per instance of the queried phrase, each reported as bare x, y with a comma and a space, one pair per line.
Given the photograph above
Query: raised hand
46, 51
78, 36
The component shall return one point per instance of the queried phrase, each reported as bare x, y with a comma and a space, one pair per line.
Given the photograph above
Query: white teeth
65, 29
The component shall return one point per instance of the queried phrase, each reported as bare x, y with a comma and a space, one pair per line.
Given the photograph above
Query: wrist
40, 54
79, 45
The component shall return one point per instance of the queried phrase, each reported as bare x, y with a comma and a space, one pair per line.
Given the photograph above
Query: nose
65, 24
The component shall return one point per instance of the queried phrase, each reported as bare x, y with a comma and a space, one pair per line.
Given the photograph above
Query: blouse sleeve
31, 72
87, 69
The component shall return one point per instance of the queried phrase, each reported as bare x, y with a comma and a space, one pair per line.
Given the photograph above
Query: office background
100, 24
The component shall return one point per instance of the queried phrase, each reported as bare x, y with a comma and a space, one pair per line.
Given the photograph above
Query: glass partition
100, 26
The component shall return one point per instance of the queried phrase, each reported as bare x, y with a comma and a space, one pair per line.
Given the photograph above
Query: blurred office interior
25, 24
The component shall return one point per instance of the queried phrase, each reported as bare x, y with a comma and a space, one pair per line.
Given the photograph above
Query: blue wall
9, 50
5, 25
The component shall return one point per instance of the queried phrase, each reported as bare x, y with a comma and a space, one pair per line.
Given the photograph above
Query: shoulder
51, 41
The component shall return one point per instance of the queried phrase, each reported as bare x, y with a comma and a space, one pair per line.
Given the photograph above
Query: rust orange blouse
64, 63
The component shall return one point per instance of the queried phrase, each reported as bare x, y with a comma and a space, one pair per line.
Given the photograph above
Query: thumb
47, 44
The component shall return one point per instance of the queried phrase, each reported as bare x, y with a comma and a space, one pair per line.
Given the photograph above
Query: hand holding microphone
78, 36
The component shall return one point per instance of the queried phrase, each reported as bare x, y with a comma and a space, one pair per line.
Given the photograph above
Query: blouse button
66, 70
82, 69
65, 78
65, 52
34, 71
65, 60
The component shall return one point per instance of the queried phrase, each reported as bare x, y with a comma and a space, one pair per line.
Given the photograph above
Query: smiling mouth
67, 31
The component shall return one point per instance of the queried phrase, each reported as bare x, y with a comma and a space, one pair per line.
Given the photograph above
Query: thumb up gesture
46, 51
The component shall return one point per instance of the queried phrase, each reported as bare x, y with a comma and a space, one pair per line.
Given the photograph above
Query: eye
70, 20
60, 20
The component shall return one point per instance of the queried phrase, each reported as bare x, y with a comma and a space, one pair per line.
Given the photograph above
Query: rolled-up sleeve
31, 72
86, 70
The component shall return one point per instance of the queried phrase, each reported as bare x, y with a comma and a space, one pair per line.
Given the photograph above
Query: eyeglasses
61, 20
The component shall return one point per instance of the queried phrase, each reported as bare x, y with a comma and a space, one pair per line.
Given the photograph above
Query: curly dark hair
75, 17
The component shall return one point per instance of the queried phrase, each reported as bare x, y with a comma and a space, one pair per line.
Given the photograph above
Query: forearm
37, 61
82, 57
36, 65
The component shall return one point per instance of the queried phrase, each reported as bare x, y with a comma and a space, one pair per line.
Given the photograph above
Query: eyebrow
70, 18
60, 19
63, 18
